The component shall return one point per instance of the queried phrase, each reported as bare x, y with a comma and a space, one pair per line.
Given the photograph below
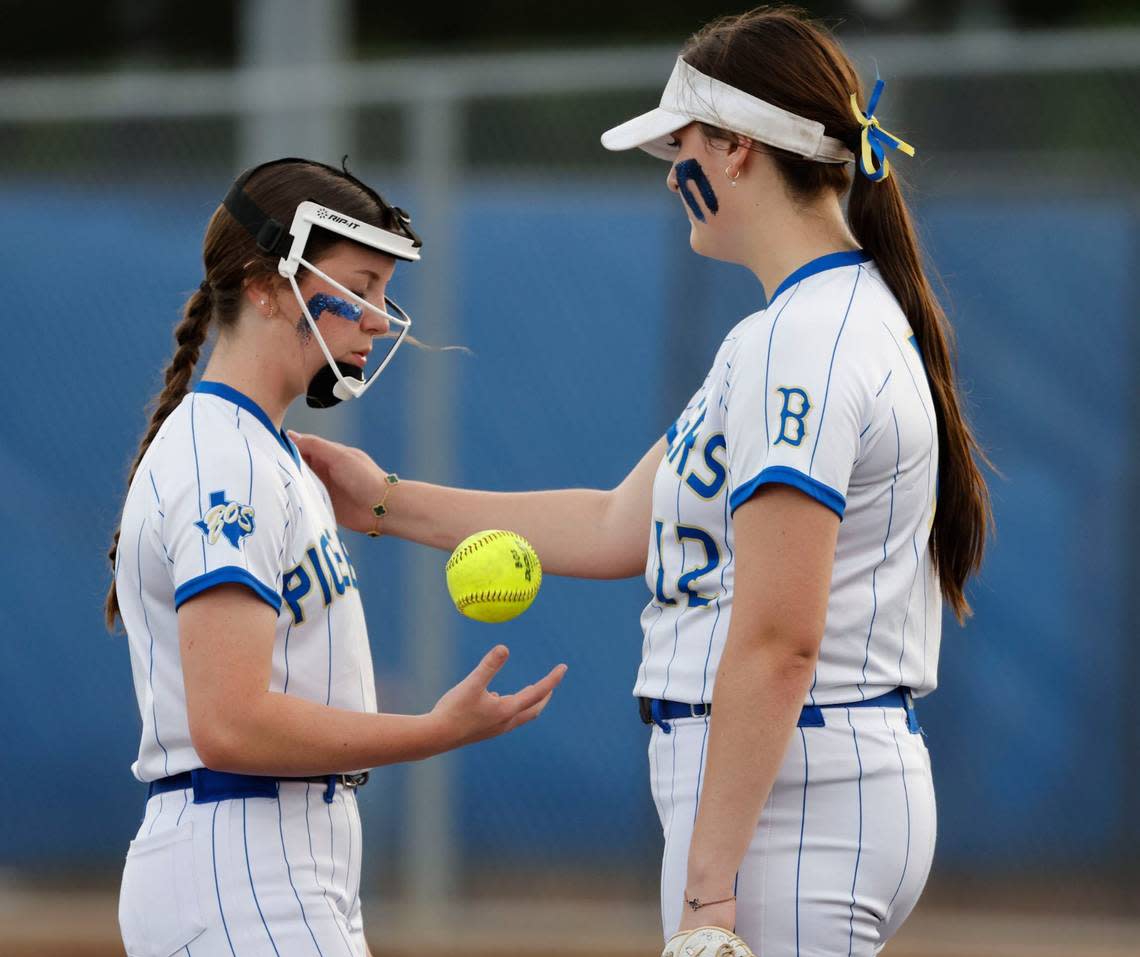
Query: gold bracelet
380, 509
695, 903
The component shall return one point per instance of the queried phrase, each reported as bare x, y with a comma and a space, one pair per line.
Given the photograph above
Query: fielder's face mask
338, 380
690, 96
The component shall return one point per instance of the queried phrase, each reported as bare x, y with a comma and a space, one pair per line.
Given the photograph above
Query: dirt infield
83, 924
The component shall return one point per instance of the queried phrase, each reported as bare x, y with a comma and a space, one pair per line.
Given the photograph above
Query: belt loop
330, 790
811, 716
655, 714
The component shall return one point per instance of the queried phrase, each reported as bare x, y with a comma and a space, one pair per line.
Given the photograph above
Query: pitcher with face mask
241, 604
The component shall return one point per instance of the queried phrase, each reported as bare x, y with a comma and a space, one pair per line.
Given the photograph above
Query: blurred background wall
566, 272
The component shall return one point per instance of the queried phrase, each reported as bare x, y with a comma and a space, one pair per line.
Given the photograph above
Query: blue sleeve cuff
782, 475
221, 576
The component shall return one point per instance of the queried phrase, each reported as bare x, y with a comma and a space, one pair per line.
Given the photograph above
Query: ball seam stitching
486, 596
470, 549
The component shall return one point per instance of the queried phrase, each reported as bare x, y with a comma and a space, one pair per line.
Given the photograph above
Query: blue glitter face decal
322, 303
689, 171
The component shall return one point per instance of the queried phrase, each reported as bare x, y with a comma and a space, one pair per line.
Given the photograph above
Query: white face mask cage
393, 244
272, 238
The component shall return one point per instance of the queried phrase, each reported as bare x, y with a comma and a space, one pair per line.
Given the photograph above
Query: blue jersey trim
220, 576
230, 394
822, 264
783, 475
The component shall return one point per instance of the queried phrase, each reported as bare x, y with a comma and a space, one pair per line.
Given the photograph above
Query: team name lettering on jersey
327, 565
231, 519
708, 485
792, 416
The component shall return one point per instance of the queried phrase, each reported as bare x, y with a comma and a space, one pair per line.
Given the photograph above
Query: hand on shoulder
354, 481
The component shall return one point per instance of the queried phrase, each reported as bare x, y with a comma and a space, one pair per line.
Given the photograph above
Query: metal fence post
309, 34
430, 856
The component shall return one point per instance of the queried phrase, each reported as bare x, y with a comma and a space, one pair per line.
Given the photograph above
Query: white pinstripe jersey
222, 496
823, 390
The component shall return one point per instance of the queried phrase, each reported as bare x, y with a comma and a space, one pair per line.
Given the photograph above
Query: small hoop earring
732, 179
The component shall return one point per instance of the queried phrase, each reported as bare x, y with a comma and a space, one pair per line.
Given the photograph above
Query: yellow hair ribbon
875, 140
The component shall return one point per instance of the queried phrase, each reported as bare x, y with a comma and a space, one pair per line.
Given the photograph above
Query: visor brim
651, 132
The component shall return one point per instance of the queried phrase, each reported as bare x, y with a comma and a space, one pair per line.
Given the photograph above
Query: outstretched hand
469, 712
354, 481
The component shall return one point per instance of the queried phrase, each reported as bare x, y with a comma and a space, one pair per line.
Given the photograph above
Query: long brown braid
189, 334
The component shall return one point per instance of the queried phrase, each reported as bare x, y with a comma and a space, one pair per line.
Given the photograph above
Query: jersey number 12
683, 533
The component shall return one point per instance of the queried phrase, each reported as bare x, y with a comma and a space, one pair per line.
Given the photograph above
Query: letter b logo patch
792, 416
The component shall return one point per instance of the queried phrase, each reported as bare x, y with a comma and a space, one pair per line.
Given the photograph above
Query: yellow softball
493, 576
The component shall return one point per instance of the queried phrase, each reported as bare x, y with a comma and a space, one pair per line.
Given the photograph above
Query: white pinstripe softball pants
252, 877
845, 840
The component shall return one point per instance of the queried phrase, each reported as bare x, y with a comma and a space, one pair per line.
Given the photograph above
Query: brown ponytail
777, 54
881, 222
189, 334
232, 260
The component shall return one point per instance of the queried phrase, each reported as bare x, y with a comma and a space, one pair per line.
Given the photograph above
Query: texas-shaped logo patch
231, 519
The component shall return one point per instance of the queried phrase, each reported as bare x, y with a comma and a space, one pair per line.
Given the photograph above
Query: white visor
691, 96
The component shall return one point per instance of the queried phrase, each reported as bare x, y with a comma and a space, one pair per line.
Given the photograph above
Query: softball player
248, 644
805, 514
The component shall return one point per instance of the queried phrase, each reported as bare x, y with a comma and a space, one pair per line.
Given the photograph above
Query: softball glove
706, 942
